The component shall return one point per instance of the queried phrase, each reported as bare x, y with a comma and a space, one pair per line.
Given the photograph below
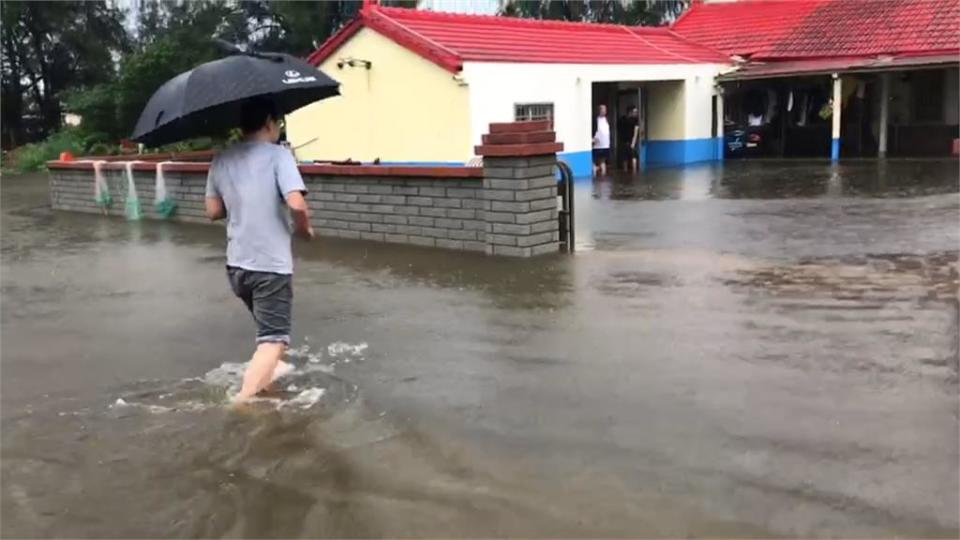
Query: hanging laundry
163, 203
133, 200
101, 191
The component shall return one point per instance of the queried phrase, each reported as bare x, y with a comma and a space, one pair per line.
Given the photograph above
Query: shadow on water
757, 349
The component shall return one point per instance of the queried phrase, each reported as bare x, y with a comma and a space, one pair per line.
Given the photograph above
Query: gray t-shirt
253, 179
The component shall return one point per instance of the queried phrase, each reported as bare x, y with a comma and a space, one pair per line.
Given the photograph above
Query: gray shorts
269, 297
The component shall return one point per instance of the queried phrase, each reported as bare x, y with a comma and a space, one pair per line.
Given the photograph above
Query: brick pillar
520, 189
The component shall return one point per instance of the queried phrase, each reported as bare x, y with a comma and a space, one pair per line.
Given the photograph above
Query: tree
298, 28
170, 38
81, 53
49, 47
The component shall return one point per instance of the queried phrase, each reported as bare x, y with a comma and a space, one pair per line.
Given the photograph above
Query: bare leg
603, 168
260, 372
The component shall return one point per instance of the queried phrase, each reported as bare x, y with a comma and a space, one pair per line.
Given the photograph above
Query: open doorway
619, 98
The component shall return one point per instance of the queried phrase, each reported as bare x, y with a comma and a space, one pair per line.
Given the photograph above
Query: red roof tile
789, 29
744, 27
858, 28
451, 39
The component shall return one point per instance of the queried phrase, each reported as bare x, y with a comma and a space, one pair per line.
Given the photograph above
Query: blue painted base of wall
682, 152
580, 162
655, 154
835, 149
652, 154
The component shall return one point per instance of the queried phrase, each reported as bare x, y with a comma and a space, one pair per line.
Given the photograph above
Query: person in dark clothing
628, 131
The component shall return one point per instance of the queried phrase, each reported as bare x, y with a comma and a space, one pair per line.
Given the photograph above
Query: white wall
496, 87
698, 100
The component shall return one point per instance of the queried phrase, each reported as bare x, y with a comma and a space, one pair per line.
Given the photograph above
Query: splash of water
346, 351
301, 386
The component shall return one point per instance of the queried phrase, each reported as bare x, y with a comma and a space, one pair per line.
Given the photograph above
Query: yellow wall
404, 109
665, 111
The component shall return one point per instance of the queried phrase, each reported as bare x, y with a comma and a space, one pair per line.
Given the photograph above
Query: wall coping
452, 173
519, 139
195, 156
518, 150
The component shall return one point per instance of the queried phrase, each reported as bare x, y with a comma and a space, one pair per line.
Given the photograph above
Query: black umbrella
206, 100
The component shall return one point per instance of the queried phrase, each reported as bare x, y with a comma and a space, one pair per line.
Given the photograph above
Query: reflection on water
760, 179
756, 349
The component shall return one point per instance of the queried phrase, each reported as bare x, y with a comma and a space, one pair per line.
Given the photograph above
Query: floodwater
754, 350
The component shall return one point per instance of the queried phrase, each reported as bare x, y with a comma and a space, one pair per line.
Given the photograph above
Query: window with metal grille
524, 112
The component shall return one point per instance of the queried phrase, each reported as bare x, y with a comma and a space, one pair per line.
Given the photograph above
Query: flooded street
754, 350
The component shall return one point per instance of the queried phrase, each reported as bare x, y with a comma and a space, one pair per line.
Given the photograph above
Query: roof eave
925, 61
371, 18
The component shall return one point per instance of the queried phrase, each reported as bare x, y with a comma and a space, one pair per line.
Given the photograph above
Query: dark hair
254, 113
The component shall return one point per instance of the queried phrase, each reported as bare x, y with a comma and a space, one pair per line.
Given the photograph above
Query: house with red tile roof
422, 87
816, 77
879, 75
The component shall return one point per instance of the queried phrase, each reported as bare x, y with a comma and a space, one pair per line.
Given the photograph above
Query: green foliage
97, 106
47, 49
33, 157
143, 72
189, 145
102, 149
30, 157
80, 56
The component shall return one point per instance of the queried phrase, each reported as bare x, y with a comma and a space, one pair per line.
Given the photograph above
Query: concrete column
837, 105
520, 189
884, 114
720, 145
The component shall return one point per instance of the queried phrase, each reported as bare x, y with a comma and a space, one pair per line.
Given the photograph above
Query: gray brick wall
513, 212
73, 190
425, 212
520, 203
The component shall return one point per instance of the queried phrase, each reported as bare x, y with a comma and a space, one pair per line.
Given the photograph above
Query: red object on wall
66, 156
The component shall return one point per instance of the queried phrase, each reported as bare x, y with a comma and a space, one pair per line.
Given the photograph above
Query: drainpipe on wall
837, 105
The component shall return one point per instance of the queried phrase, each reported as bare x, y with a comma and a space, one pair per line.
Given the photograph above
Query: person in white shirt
601, 141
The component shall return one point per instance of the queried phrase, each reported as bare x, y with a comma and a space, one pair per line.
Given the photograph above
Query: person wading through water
601, 141
257, 187
628, 129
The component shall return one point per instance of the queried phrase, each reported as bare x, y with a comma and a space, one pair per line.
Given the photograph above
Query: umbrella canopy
206, 100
